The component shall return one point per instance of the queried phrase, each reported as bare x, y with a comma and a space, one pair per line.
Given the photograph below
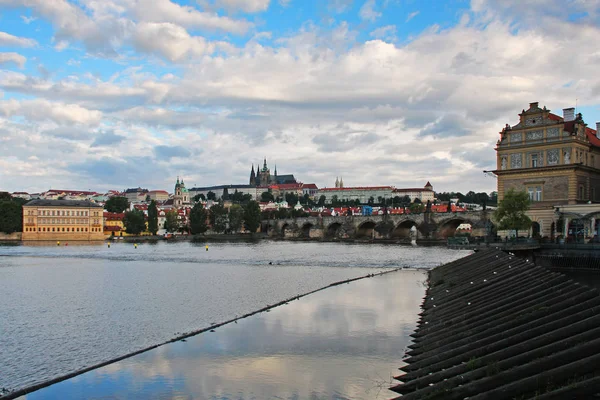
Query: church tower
182, 195
265, 175
337, 182
341, 182
252, 176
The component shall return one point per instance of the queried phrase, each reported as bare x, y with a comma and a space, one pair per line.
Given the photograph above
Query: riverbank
193, 348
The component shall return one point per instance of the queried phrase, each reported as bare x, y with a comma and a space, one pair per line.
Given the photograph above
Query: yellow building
62, 220
555, 159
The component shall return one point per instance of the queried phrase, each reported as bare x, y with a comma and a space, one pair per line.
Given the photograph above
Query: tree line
218, 217
11, 213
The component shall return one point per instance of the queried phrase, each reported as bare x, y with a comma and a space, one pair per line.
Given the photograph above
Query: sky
112, 94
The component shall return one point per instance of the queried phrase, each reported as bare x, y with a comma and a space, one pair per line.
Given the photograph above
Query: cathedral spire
337, 182
275, 169
341, 182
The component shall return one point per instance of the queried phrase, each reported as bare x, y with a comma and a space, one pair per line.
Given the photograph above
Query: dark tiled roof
62, 203
495, 326
285, 179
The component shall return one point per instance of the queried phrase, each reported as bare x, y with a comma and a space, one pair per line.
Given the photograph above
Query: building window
581, 192
534, 161
535, 193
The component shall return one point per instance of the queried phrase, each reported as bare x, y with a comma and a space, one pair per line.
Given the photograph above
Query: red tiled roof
112, 228
591, 134
310, 186
70, 192
413, 190
357, 188
554, 117
114, 216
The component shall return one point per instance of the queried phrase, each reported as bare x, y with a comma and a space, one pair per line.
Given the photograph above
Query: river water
64, 308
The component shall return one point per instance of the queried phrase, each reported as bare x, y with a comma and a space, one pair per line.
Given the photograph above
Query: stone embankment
495, 326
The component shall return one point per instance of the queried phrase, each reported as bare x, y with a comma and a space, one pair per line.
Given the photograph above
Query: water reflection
341, 343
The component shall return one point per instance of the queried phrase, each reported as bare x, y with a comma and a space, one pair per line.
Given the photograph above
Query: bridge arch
402, 229
333, 230
366, 230
285, 228
305, 231
447, 227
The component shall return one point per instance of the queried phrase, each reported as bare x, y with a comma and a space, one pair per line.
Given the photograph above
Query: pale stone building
62, 220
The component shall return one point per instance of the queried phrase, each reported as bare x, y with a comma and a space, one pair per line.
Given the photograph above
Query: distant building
556, 160
424, 194
310, 189
218, 190
22, 195
136, 194
61, 194
158, 195
181, 197
62, 220
362, 193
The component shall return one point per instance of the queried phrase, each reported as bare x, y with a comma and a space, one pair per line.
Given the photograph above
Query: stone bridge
428, 225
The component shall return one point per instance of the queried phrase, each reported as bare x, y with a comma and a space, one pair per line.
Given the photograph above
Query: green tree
116, 204
291, 198
416, 208
322, 200
371, 201
134, 222
266, 197
335, 201
11, 216
5, 196
199, 197
252, 216
218, 217
153, 218
211, 195
198, 219
511, 212
282, 213
171, 221
417, 200
236, 217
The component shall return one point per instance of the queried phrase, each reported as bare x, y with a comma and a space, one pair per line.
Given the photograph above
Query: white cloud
426, 109
170, 41
44, 110
368, 12
412, 15
8, 58
165, 11
250, 6
7, 39
386, 33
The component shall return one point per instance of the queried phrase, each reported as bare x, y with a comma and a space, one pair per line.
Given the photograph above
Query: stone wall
62, 236
12, 236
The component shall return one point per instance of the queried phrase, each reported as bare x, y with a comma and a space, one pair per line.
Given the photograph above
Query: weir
495, 326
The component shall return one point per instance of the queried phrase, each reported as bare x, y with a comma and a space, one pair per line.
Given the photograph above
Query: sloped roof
62, 203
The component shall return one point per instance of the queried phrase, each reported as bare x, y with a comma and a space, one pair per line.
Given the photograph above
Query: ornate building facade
181, 196
62, 220
555, 159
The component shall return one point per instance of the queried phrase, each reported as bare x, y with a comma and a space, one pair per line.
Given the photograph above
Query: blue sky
124, 93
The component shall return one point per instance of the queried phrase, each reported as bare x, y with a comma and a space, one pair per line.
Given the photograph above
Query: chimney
569, 114
598, 130
533, 105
